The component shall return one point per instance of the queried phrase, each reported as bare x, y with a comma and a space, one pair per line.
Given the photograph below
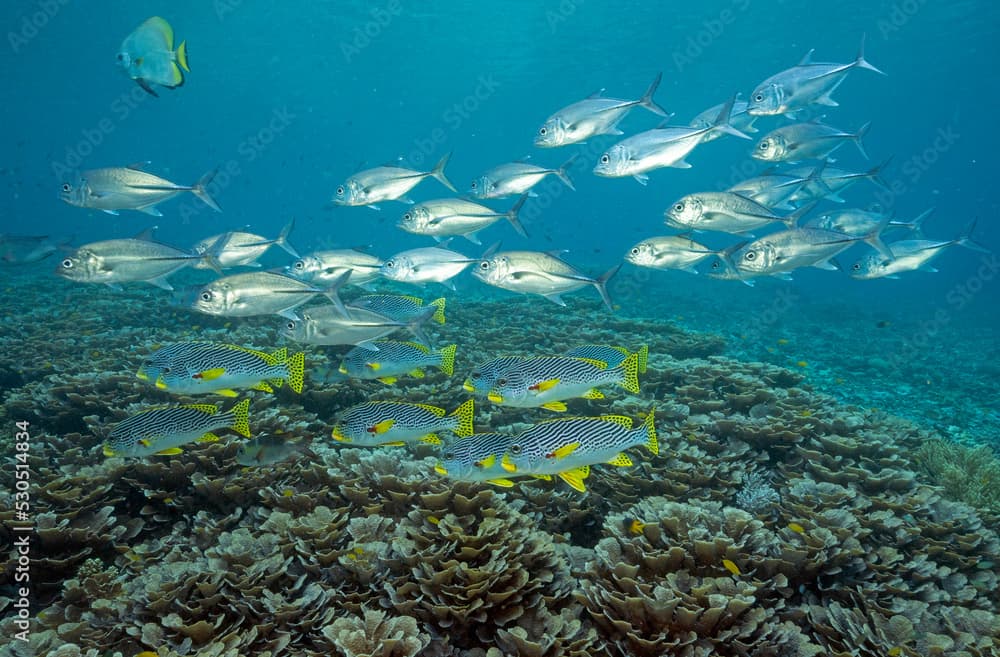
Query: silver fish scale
613, 356
593, 434
464, 453
200, 356
358, 418
399, 308
166, 421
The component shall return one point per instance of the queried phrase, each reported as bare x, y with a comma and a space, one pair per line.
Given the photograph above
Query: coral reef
776, 521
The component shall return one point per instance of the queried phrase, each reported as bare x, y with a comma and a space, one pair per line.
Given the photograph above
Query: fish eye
484, 265
635, 250
759, 98
715, 265
474, 184
679, 207
605, 159
340, 191
501, 382
449, 455
407, 216
166, 370
856, 266
750, 255
206, 296
543, 131
290, 326
299, 265
67, 263
390, 264
515, 449
764, 146
66, 187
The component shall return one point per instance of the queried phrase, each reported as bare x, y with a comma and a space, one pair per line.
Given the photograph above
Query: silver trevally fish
911, 255
566, 447
805, 141
128, 260
324, 267
788, 250
326, 325
738, 119
162, 430
660, 147
261, 293
595, 115
726, 212
432, 264
387, 183
668, 252
241, 249
447, 217
776, 189
855, 221
515, 178
833, 181
148, 56
809, 83
537, 272
476, 458
26, 249
130, 188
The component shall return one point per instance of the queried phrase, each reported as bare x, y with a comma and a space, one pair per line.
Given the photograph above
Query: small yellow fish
731, 567
433, 520
797, 528
802, 363
805, 413
288, 492
782, 341
895, 652
635, 526
147, 653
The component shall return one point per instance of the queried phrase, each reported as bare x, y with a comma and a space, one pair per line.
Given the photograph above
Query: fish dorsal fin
599, 364
211, 409
170, 451
417, 300
433, 409
597, 94
620, 420
487, 462
419, 347
807, 58
139, 166
146, 235
565, 450
556, 406
621, 460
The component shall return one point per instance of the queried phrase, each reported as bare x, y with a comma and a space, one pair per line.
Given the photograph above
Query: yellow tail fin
438, 315
448, 359
241, 418
630, 373
182, 56
296, 371
643, 352
464, 414
649, 426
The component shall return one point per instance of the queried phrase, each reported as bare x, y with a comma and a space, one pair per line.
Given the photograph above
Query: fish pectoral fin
172, 451
210, 374
268, 386
641, 178
393, 443
388, 380
557, 406
555, 298
383, 426
565, 451
114, 212
621, 460
593, 393
503, 483
418, 373
208, 438
545, 385
226, 392
145, 87
543, 477
150, 210
487, 462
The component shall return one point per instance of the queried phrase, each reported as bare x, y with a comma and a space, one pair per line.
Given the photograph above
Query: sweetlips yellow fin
388, 380
374, 367
564, 451
596, 363
438, 315
383, 426
448, 359
575, 478
542, 386
417, 373
170, 451
593, 393
431, 439
422, 348
108, 452
394, 443
208, 438
296, 365
226, 392
487, 462
504, 483
241, 418
508, 464
464, 415
630, 373
211, 374
643, 352
555, 406
436, 410
620, 460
